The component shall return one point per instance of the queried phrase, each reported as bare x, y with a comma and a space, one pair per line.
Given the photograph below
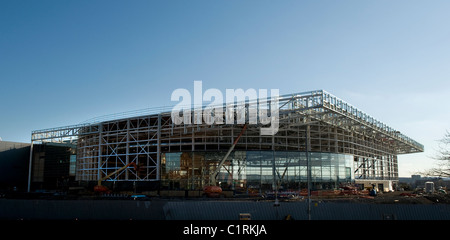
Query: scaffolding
110, 142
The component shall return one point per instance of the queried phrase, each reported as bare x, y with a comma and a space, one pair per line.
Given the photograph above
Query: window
72, 165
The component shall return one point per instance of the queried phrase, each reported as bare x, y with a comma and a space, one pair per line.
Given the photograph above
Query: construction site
326, 151
321, 138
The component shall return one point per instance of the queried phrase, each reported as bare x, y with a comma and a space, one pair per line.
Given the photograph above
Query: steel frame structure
331, 124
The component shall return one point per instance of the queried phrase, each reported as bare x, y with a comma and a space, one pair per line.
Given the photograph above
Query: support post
308, 162
127, 150
158, 149
30, 166
99, 157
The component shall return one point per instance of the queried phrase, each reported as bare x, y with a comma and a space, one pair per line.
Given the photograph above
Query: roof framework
107, 143
318, 105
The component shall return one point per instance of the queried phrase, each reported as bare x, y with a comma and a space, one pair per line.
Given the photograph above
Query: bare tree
442, 168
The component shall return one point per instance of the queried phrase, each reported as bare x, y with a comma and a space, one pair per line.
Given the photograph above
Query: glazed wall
256, 170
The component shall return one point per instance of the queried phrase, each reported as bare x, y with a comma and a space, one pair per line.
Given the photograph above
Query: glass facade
255, 170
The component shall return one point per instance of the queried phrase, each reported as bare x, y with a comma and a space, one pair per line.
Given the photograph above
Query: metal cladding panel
79, 209
298, 210
228, 210
214, 210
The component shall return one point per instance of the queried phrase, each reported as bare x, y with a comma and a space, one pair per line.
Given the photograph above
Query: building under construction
321, 139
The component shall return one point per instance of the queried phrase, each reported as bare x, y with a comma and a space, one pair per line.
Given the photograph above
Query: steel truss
333, 126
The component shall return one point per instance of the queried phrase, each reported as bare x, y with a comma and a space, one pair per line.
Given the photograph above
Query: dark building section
14, 165
53, 166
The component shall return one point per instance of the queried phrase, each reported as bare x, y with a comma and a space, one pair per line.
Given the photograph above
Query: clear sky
63, 62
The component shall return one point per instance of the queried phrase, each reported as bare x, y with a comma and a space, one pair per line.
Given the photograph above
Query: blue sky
63, 62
